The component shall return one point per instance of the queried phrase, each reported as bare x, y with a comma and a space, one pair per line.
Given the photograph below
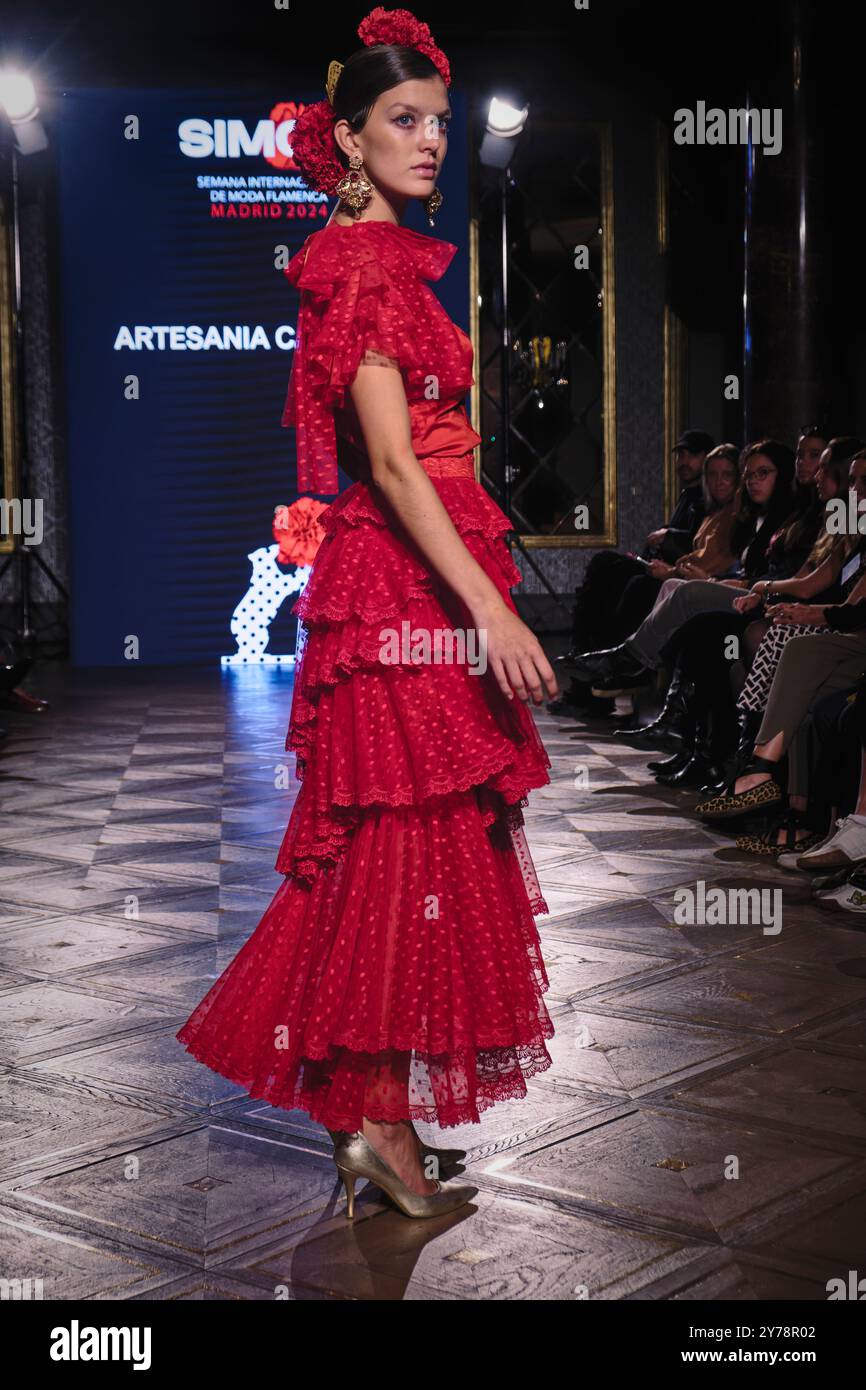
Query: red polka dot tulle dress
397, 972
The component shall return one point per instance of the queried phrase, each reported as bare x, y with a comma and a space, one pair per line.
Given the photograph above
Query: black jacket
685, 519
848, 617
842, 616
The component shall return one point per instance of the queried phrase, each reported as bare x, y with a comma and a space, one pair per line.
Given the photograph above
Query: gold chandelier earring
355, 189
433, 204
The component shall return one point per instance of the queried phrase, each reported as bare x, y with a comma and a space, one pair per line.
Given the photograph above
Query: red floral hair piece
314, 149
313, 146
402, 27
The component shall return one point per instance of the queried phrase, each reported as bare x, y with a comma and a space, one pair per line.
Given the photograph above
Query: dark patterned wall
44, 442
640, 291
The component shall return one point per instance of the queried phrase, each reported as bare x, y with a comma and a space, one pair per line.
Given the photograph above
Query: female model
397, 973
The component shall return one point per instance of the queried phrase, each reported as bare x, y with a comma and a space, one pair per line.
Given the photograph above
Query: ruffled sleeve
362, 301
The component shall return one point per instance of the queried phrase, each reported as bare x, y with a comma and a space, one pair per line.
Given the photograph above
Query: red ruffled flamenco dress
397, 973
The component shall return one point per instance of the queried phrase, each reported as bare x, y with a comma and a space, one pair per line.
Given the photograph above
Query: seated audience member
830, 655
837, 784
711, 555
836, 735
711, 552
699, 708
839, 562
609, 573
765, 501
675, 539
841, 854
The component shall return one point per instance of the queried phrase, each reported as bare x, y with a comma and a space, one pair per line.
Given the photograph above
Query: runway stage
701, 1134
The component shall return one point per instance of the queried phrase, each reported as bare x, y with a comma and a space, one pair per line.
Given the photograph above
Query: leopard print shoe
770, 844
760, 798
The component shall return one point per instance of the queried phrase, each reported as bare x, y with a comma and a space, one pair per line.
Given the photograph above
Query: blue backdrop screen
178, 328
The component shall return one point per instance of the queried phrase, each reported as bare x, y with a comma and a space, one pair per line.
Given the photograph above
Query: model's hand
657, 537
516, 657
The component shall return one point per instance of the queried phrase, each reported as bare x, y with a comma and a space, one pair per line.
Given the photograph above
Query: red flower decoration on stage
297, 531
283, 111
402, 27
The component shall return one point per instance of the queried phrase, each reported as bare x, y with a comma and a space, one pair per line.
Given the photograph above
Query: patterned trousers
756, 691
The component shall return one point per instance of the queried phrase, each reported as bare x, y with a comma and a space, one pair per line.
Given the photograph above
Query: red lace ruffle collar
428, 256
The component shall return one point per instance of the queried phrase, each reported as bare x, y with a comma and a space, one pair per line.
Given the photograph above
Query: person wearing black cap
670, 542
602, 611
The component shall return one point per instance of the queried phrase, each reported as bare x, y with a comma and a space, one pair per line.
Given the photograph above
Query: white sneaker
847, 845
850, 896
791, 858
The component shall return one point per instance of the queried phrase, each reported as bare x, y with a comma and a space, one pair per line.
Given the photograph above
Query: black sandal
731, 804
788, 820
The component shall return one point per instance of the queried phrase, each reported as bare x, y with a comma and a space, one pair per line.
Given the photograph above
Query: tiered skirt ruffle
397, 973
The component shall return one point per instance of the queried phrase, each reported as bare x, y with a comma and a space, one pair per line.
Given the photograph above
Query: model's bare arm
514, 653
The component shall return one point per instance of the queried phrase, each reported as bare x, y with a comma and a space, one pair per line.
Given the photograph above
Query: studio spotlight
505, 119
17, 95
18, 100
505, 125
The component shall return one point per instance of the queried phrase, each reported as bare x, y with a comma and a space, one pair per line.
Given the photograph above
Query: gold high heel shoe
445, 1158
356, 1158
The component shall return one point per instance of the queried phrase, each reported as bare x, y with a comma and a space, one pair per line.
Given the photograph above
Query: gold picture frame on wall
8, 422
663, 187
607, 534
676, 395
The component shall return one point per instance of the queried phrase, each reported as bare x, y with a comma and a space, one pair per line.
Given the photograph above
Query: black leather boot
709, 761
689, 769
665, 731
699, 768
673, 763
717, 780
611, 665
671, 770
749, 722
719, 751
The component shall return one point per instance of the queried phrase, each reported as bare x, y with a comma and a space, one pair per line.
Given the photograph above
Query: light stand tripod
23, 557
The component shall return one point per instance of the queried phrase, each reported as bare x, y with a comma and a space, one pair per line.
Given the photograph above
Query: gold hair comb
333, 78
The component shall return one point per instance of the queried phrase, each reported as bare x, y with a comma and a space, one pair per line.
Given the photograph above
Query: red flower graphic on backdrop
285, 111
297, 531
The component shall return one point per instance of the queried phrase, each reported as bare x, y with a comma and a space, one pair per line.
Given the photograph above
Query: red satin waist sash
438, 467
354, 462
